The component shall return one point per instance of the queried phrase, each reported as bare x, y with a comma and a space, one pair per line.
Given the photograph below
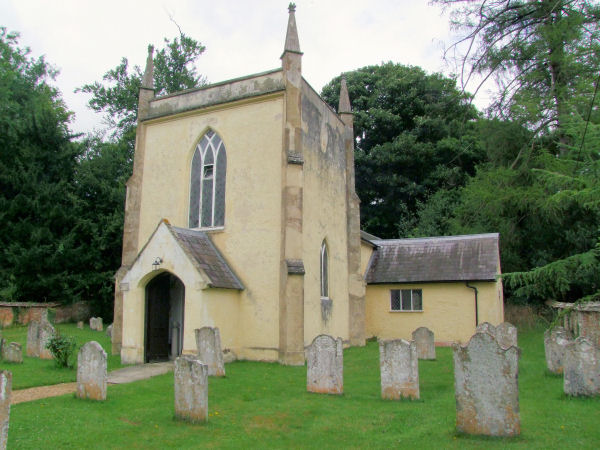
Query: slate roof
205, 256
452, 258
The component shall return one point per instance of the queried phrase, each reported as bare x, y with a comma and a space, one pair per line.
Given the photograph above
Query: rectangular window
406, 300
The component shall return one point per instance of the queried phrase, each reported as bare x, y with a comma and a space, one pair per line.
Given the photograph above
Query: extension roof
453, 258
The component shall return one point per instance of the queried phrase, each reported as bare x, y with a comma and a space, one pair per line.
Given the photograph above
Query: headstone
208, 344
33, 339
96, 323
506, 335
325, 365
109, 331
91, 372
582, 368
486, 327
555, 346
191, 389
80, 325
12, 352
5, 392
424, 339
2, 344
399, 367
46, 332
486, 382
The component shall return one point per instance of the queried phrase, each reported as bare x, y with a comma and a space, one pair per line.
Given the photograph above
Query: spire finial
292, 44
344, 105
148, 80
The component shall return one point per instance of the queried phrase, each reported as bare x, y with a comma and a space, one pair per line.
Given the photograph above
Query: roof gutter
476, 302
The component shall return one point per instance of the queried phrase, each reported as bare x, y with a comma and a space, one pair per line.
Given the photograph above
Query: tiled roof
204, 254
452, 258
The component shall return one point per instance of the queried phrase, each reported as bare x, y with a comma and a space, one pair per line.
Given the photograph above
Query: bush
62, 348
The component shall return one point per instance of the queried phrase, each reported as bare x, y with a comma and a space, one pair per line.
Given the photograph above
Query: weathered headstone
5, 392
325, 365
80, 325
506, 335
109, 331
33, 339
12, 352
424, 339
399, 367
45, 333
582, 368
486, 382
191, 389
96, 323
555, 346
208, 344
486, 327
91, 372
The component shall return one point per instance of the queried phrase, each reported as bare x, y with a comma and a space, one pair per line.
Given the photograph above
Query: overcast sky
84, 39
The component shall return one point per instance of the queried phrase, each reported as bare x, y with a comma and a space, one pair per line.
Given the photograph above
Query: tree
38, 247
414, 136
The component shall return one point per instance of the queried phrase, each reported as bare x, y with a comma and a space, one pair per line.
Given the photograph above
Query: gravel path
35, 393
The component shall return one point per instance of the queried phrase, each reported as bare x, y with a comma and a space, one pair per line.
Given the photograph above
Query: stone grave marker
5, 393
399, 367
91, 372
12, 352
45, 333
109, 330
325, 365
555, 346
33, 339
486, 383
2, 344
96, 323
486, 327
424, 339
80, 325
208, 344
582, 368
191, 389
506, 335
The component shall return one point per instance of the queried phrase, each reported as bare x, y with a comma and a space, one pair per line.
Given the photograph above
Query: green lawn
262, 405
41, 372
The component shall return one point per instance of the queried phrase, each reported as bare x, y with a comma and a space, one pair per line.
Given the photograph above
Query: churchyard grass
260, 405
42, 372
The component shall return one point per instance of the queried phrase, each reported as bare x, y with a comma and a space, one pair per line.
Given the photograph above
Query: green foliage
62, 349
414, 136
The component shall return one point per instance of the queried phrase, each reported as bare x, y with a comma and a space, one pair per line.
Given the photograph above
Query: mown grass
42, 372
260, 405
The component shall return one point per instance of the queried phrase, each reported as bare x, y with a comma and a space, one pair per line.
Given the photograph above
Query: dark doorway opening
165, 295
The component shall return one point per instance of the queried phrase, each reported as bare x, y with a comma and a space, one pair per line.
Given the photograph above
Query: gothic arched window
207, 192
324, 271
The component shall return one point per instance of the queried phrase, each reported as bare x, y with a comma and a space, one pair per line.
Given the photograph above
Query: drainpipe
476, 303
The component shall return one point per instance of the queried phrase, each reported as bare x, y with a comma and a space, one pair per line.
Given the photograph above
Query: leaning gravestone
506, 335
325, 365
399, 367
486, 383
91, 372
582, 368
208, 344
33, 339
45, 333
424, 339
191, 389
12, 352
555, 346
5, 392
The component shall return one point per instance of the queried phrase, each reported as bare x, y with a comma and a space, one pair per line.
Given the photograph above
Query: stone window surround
324, 271
405, 310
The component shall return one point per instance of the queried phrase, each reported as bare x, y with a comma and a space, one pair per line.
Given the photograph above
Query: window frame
324, 271
400, 294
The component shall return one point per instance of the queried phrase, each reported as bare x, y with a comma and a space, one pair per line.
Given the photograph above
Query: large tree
414, 136
38, 247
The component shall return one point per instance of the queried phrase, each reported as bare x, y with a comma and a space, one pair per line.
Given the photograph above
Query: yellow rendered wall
448, 310
324, 216
366, 250
252, 134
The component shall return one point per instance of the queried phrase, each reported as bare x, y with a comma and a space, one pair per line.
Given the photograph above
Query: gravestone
424, 339
208, 344
33, 339
325, 365
506, 335
80, 325
109, 330
555, 346
399, 367
96, 323
191, 389
45, 333
5, 393
2, 344
12, 352
486, 327
486, 383
582, 368
91, 372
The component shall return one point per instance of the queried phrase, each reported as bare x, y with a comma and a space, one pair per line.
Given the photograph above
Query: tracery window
324, 271
207, 190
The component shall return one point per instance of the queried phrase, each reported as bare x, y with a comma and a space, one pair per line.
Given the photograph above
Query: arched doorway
165, 295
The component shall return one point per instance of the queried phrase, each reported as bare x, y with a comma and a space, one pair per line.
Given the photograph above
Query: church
241, 214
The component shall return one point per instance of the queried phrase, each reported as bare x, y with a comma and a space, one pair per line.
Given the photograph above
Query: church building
241, 214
